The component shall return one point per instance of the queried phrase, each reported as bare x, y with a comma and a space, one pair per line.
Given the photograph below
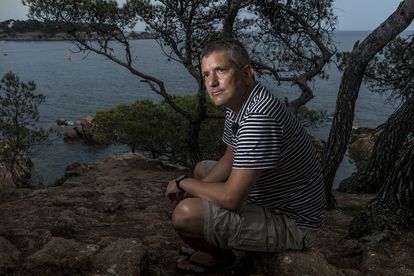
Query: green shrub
311, 118
156, 129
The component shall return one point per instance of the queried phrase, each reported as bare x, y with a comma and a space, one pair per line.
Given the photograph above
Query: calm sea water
87, 84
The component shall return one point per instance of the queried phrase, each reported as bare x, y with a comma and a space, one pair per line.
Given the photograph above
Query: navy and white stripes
265, 135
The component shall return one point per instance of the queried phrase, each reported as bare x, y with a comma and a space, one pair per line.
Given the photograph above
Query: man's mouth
216, 92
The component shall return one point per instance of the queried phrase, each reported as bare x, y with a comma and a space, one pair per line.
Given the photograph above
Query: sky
352, 14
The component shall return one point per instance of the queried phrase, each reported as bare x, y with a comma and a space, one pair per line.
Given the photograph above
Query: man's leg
202, 168
188, 222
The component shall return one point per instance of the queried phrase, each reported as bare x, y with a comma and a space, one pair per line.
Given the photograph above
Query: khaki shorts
251, 228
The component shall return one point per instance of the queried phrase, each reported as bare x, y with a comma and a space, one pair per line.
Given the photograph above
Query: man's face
226, 84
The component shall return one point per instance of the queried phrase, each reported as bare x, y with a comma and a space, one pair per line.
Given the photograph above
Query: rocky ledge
111, 218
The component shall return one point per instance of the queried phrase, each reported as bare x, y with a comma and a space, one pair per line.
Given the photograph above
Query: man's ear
248, 71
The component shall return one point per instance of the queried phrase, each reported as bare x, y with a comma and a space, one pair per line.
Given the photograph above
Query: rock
22, 170
71, 136
9, 256
121, 257
62, 122
6, 180
62, 257
368, 135
76, 169
84, 129
294, 263
362, 144
319, 145
362, 131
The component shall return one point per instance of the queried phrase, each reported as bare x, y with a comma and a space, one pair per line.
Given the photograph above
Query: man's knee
188, 216
202, 168
198, 174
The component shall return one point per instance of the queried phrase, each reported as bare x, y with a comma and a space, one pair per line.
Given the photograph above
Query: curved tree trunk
385, 153
393, 208
349, 89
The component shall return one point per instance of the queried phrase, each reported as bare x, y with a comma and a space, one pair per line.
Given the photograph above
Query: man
266, 192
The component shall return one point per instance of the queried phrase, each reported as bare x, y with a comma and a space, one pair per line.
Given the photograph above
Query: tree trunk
385, 153
349, 89
194, 127
193, 142
393, 208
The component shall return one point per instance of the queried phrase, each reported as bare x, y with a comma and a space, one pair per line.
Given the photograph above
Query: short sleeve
227, 132
259, 142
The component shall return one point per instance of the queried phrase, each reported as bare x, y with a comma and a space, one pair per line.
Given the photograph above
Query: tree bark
393, 208
385, 153
349, 89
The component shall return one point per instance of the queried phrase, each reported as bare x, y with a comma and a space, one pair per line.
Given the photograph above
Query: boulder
9, 256
71, 136
62, 122
319, 145
294, 263
121, 257
82, 130
62, 257
22, 170
6, 180
361, 144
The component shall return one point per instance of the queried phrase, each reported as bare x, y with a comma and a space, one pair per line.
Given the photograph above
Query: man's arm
230, 194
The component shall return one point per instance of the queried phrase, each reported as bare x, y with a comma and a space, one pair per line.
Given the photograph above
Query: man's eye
221, 70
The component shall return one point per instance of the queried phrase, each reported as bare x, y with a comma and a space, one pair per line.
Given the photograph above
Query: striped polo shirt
265, 135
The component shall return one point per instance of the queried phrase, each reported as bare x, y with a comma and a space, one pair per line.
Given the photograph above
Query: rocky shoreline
111, 218
41, 36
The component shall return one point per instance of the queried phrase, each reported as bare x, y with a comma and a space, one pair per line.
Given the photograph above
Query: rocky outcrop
363, 139
319, 145
309, 262
22, 170
82, 131
9, 256
111, 218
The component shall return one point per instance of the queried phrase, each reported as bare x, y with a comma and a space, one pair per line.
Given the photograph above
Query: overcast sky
352, 14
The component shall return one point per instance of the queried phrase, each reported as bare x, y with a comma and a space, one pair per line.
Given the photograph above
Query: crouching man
266, 192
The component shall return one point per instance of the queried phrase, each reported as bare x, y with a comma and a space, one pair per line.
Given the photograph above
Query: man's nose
213, 80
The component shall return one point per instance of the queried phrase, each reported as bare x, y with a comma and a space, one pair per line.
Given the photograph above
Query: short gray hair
238, 53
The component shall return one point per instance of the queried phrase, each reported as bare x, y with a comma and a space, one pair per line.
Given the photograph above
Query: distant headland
33, 30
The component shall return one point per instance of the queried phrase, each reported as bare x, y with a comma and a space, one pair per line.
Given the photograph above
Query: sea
84, 83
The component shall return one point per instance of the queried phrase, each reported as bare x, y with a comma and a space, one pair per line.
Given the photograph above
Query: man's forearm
230, 194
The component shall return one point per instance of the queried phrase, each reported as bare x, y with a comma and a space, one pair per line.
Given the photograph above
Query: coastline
62, 36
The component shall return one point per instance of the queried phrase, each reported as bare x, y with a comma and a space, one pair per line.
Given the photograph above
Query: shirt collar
237, 117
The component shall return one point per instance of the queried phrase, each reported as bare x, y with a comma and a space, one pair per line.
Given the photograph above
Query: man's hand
173, 193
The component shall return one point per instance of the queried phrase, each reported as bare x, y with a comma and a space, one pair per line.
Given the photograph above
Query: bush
156, 129
312, 118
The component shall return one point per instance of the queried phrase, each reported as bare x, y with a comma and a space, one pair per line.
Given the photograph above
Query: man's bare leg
188, 222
